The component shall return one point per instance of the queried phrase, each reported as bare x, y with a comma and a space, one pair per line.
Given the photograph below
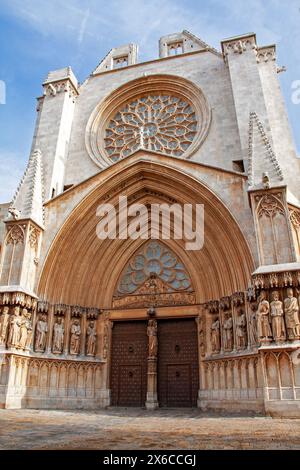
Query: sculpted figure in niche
41, 334
241, 330
91, 339
202, 343
263, 319
277, 317
14, 328
24, 329
29, 332
291, 309
215, 336
228, 334
58, 336
152, 335
252, 327
4, 324
75, 337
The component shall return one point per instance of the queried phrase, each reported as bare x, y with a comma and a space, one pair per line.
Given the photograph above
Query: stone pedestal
152, 402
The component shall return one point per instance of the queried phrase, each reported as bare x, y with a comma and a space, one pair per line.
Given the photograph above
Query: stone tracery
157, 122
154, 258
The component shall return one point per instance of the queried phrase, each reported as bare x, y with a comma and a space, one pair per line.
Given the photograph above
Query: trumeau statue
241, 330
215, 336
152, 335
91, 339
58, 336
75, 337
291, 309
263, 319
14, 328
41, 334
278, 326
228, 334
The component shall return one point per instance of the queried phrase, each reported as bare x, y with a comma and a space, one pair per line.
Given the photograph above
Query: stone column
67, 326
152, 401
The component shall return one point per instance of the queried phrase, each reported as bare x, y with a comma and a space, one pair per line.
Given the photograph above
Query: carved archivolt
161, 113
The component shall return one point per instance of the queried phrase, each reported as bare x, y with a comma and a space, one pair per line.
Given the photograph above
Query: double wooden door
178, 370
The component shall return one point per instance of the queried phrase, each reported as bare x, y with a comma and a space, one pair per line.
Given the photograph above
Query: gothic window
165, 114
154, 259
175, 48
119, 62
161, 123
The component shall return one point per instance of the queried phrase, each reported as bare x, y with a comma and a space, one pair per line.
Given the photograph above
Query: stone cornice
266, 54
238, 45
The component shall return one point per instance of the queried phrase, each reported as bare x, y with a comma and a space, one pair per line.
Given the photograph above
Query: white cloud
144, 21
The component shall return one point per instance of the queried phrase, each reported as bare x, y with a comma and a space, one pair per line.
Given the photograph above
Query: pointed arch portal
82, 270
126, 277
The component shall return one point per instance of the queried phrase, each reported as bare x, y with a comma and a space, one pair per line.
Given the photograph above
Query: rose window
161, 123
154, 258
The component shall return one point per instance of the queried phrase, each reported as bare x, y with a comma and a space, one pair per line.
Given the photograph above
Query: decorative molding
60, 309
269, 205
266, 54
15, 235
238, 299
29, 197
238, 46
225, 303
34, 235
42, 306
18, 299
267, 146
276, 280
77, 311
61, 86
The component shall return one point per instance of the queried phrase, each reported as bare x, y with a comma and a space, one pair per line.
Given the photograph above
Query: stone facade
195, 126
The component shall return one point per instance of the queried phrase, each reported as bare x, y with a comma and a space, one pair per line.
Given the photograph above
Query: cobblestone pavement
139, 429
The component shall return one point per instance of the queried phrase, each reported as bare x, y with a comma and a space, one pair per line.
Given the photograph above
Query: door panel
178, 370
129, 364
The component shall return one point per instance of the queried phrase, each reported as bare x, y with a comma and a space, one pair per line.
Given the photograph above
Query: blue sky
41, 35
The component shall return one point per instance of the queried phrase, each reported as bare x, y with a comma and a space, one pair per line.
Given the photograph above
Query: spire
28, 200
263, 167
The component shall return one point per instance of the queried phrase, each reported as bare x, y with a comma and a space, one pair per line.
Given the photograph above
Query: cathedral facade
141, 321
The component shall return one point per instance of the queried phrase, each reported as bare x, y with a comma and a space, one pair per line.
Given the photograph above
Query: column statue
58, 336
215, 336
291, 309
241, 330
278, 326
75, 337
41, 334
228, 334
14, 328
263, 319
91, 339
